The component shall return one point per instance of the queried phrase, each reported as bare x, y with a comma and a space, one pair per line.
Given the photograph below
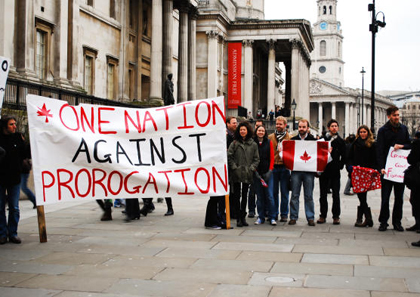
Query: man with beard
302, 177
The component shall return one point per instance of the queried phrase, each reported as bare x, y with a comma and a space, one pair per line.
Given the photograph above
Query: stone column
367, 116
25, 61
347, 119
271, 81
192, 57
212, 64
168, 21
320, 117
364, 119
183, 55
222, 42
333, 110
295, 78
61, 42
74, 47
156, 52
249, 76
7, 31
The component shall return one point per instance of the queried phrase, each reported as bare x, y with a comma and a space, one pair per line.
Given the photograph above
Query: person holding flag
305, 178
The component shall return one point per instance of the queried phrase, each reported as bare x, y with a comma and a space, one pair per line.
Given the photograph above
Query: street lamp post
363, 90
373, 27
294, 108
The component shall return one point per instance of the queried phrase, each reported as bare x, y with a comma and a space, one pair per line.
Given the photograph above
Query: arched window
323, 48
330, 9
325, 10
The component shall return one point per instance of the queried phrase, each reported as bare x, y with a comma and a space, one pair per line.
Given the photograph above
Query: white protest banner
396, 164
98, 152
4, 71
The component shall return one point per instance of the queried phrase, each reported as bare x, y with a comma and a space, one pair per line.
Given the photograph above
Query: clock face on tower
323, 26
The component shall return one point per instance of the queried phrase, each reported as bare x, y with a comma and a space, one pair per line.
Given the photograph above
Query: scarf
280, 135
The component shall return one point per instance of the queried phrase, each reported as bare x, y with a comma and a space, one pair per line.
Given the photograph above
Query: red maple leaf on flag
44, 112
305, 157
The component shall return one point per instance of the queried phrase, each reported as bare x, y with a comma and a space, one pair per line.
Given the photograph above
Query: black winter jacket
11, 165
361, 155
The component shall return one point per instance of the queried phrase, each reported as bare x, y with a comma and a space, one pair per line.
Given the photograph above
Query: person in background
10, 177
26, 169
231, 125
363, 153
349, 140
281, 175
265, 202
243, 160
392, 134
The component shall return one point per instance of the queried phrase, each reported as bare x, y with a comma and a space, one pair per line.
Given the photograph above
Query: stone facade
123, 50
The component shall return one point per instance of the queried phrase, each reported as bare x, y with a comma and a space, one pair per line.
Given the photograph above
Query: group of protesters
256, 168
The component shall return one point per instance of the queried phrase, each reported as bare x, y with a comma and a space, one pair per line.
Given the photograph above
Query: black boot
170, 211
148, 206
359, 218
368, 218
239, 223
107, 216
244, 223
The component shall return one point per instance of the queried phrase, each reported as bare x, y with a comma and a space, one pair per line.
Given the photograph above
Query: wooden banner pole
41, 224
227, 212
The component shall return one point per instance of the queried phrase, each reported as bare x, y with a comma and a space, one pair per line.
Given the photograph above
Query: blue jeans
24, 187
265, 200
307, 179
397, 211
280, 175
12, 196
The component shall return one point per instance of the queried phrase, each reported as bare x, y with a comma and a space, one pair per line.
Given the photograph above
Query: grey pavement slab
224, 290
270, 256
358, 283
335, 259
313, 268
305, 292
23, 292
338, 250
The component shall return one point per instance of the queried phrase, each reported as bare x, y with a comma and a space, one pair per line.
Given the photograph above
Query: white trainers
258, 222
273, 222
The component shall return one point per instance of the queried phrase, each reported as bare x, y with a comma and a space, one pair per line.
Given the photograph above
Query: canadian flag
309, 156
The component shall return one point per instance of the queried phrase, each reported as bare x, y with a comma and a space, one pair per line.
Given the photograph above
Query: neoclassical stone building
329, 98
123, 50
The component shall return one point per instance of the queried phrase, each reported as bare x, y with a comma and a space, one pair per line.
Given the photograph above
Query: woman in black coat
363, 153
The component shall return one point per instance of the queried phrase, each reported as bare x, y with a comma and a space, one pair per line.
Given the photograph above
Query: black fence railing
16, 92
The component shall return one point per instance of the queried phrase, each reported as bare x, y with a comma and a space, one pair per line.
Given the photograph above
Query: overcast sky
397, 45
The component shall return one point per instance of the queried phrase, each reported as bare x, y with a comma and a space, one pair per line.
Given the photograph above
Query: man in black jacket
331, 174
392, 134
10, 174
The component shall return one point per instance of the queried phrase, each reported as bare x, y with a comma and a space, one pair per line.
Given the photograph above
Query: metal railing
16, 92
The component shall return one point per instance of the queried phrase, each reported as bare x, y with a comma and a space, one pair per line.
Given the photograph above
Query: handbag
365, 179
412, 176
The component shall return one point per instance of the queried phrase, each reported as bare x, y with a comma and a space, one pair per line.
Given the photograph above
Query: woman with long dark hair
265, 201
243, 161
363, 153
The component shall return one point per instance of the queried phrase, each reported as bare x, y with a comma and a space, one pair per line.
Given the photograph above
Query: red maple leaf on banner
305, 157
44, 112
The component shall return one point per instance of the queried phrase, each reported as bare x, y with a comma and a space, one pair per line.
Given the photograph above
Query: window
41, 54
324, 10
89, 2
330, 9
339, 49
323, 48
112, 64
112, 12
131, 81
89, 55
322, 69
42, 48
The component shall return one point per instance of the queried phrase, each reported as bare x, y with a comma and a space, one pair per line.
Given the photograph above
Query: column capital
193, 13
212, 34
222, 38
247, 42
271, 44
298, 44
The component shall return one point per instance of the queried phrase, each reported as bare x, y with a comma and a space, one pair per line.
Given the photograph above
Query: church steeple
327, 60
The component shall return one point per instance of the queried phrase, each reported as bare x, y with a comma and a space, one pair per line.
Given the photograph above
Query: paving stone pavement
177, 256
